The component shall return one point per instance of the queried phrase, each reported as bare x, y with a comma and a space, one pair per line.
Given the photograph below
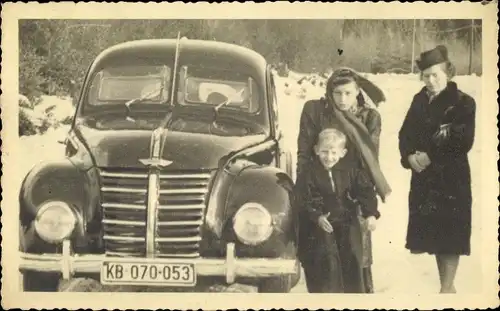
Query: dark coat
316, 116
337, 257
446, 228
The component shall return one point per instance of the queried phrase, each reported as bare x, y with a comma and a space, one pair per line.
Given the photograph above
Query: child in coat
333, 249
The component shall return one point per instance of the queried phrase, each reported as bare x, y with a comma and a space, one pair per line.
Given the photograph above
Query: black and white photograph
255, 154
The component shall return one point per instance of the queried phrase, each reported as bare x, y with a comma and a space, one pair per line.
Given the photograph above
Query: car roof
189, 48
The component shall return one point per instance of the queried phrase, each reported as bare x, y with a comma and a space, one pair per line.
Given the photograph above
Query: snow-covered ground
395, 270
51, 109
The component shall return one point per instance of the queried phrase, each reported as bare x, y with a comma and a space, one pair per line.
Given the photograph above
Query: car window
128, 82
197, 84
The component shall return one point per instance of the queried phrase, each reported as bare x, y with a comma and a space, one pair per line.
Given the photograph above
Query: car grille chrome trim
179, 240
179, 223
123, 206
153, 196
177, 218
186, 255
182, 207
114, 189
123, 175
185, 191
120, 254
202, 177
123, 238
123, 222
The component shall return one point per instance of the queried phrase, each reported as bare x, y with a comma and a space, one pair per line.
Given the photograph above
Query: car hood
187, 151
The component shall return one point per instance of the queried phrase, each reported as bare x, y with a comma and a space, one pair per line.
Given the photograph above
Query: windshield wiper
141, 99
147, 96
225, 102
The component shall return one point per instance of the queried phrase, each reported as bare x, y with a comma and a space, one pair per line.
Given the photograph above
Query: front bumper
231, 267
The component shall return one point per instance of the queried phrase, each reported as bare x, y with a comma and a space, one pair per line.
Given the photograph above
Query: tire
33, 281
280, 284
40, 282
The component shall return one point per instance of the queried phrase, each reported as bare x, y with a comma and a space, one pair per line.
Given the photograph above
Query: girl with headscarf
343, 108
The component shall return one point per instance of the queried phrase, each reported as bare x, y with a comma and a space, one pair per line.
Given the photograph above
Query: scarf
357, 133
359, 136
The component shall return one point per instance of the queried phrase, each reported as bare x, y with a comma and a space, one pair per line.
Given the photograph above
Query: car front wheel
39, 282
280, 284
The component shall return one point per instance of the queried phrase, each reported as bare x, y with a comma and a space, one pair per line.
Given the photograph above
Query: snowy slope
395, 270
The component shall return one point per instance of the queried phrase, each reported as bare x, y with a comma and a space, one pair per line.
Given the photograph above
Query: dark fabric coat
316, 116
443, 227
334, 260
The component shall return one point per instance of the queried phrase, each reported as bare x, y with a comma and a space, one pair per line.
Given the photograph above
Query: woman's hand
324, 223
419, 161
371, 223
423, 159
412, 159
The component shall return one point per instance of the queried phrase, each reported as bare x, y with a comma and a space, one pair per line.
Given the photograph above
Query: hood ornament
155, 159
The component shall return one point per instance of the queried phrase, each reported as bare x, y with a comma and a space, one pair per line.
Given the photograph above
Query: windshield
118, 84
242, 114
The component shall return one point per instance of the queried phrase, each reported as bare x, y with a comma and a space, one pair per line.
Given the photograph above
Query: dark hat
429, 58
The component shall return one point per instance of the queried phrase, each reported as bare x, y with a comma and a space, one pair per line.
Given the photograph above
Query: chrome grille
179, 216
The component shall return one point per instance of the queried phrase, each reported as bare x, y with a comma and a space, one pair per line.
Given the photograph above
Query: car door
283, 154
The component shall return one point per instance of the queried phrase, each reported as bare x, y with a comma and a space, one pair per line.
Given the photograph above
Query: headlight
55, 221
252, 224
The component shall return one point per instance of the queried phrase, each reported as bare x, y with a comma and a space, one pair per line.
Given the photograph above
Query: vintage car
175, 176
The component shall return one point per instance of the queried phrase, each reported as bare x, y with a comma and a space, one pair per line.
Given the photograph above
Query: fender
272, 188
230, 167
59, 180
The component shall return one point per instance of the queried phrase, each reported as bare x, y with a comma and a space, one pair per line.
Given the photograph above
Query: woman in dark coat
361, 124
436, 135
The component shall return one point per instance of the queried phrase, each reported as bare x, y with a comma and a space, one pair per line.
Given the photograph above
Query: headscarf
376, 95
355, 130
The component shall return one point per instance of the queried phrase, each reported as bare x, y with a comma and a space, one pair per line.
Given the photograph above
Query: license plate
134, 273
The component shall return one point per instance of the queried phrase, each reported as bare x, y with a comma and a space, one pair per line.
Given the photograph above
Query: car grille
178, 220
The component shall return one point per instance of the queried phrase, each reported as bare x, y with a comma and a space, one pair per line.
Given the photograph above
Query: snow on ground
35, 148
394, 269
58, 107
51, 109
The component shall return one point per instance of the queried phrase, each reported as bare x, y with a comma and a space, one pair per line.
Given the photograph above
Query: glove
442, 134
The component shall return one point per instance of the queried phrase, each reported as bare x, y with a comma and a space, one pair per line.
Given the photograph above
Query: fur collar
449, 92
